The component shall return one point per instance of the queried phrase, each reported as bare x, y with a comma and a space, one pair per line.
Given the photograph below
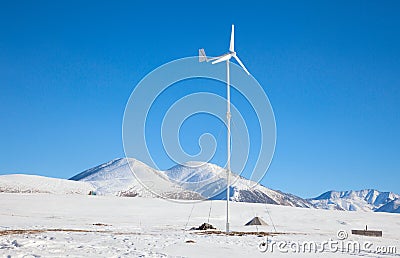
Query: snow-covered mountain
392, 206
364, 200
196, 180
209, 180
115, 178
191, 181
19, 183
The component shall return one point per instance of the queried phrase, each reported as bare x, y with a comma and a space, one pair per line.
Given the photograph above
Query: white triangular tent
256, 221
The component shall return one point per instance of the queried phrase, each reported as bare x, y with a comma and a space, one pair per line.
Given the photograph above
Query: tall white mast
228, 151
226, 57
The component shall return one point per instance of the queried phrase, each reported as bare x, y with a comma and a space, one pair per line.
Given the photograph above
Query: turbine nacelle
226, 57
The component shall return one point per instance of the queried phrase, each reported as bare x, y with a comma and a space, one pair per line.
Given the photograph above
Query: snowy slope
392, 206
115, 178
364, 200
40, 184
191, 181
207, 180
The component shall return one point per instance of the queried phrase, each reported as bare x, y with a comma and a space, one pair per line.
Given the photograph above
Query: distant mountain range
207, 181
191, 181
365, 200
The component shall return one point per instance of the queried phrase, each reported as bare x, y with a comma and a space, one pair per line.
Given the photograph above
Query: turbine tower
226, 57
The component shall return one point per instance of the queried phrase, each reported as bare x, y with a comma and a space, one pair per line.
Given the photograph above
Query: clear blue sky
331, 70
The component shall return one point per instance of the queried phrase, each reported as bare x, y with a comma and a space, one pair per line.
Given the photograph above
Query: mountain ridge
354, 200
207, 180
192, 181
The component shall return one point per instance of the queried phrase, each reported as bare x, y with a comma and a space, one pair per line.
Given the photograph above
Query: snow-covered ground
108, 226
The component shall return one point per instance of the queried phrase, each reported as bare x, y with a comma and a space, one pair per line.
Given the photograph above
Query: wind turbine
226, 57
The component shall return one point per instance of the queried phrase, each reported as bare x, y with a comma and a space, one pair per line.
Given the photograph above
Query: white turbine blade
223, 58
202, 55
232, 44
241, 64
